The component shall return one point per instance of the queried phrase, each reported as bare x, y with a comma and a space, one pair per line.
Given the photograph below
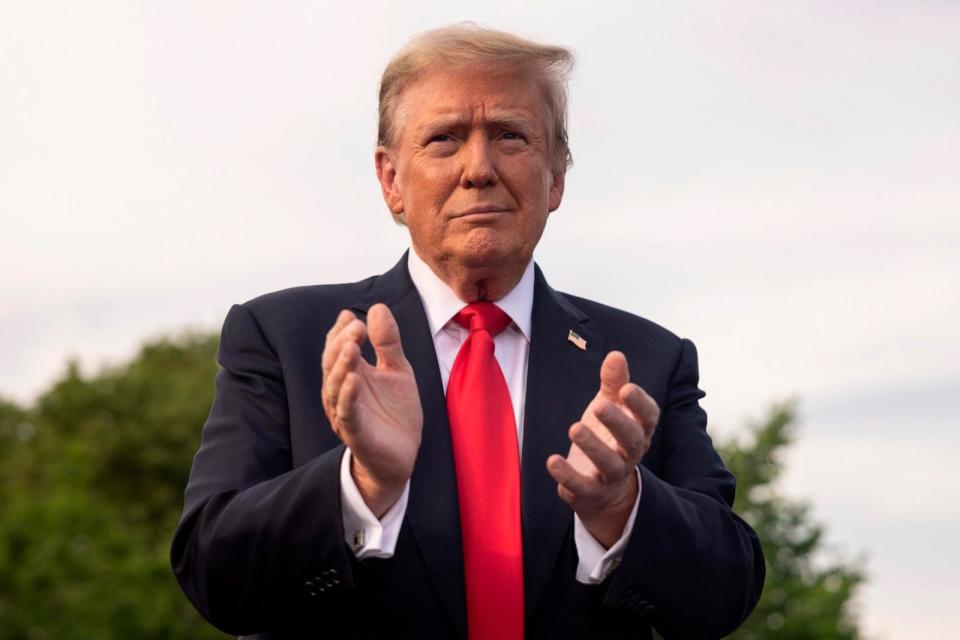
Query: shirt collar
440, 302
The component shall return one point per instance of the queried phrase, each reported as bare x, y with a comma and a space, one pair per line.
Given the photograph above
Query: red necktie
485, 451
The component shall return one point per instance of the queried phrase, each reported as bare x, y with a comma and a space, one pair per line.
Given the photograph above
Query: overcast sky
778, 181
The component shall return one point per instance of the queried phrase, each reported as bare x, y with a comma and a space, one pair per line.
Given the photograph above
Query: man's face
470, 168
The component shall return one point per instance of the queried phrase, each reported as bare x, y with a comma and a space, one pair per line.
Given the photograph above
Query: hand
598, 477
375, 410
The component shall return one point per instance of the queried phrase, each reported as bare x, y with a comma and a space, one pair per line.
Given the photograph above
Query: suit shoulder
622, 325
310, 295
305, 307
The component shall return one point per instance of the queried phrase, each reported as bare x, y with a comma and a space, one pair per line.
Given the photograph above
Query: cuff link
359, 539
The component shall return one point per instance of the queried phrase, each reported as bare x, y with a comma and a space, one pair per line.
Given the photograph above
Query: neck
480, 283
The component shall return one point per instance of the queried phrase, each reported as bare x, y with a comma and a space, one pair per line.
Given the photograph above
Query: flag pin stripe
579, 342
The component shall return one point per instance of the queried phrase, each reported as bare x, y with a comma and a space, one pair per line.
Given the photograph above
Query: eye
513, 135
440, 145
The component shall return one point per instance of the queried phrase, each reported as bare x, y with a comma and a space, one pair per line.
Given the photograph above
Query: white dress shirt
373, 538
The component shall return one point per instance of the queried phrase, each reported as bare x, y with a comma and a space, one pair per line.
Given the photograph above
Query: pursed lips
481, 209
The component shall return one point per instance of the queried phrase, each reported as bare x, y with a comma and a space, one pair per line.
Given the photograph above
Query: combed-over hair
467, 44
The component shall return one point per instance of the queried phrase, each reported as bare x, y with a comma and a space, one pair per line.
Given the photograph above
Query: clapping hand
597, 478
375, 410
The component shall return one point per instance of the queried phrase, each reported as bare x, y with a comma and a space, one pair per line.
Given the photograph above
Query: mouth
481, 210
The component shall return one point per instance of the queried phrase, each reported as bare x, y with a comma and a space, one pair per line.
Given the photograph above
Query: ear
387, 175
555, 194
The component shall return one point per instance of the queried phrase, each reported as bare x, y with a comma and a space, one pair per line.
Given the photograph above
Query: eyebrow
505, 119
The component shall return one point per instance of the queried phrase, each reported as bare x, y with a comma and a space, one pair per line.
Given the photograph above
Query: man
466, 453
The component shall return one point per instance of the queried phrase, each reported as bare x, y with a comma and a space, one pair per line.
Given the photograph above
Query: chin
483, 249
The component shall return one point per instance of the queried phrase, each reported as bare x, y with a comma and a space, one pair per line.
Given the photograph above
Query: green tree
805, 595
91, 483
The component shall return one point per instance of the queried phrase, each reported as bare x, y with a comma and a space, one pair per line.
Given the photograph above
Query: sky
776, 181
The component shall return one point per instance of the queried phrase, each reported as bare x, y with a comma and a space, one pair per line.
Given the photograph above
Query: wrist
607, 523
378, 495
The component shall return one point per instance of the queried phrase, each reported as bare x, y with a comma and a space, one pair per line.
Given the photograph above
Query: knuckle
610, 471
610, 411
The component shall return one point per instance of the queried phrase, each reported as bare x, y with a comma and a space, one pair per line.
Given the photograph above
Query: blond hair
467, 44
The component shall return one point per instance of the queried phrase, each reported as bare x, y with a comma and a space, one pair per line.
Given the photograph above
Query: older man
467, 452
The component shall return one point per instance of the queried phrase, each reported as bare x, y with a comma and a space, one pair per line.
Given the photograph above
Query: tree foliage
91, 482
805, 595
91, 485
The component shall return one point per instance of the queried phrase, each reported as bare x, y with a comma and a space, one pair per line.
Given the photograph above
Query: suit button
635, 602
329, 579
641, 607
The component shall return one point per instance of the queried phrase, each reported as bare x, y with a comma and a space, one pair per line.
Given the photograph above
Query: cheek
532, 189
430, 185
425, 191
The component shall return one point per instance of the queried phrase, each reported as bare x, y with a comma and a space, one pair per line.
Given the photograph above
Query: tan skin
471, 171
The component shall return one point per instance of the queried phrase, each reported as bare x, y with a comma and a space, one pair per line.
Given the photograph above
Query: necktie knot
482, 316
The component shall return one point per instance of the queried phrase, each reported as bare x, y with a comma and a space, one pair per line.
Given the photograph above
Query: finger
568, 477
642, 406
347, 402
343, 319
629, 433
385, 338
345, 363
614, 373
353, 331
609, 462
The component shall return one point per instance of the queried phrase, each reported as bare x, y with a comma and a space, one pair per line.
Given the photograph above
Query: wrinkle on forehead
479, 115
481, 110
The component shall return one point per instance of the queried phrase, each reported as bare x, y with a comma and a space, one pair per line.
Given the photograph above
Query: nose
479, 169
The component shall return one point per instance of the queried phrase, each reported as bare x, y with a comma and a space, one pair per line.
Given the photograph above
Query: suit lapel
561, 380
432, 510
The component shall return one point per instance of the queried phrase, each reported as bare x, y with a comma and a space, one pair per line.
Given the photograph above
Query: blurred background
779, 182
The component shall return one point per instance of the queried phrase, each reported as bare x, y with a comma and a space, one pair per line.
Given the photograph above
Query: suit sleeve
258, 539
692, 567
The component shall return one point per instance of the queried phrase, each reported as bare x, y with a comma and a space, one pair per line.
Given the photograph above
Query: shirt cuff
362, 531
596, 563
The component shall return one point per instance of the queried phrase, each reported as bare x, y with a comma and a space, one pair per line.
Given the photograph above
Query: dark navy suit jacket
260, 546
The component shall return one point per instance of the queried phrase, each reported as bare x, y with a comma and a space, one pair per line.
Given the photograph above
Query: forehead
472, 94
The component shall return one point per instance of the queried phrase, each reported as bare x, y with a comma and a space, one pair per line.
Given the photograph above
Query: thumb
384, 335
614, 373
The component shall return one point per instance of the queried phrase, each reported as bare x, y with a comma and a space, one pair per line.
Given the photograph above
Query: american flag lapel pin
578, 342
